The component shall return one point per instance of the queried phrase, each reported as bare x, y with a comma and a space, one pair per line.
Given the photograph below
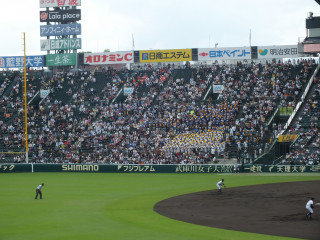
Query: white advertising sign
108, 58
280, 51
60, 29
212, 54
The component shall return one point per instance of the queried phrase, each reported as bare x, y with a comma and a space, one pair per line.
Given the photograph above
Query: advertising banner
172, 55
66, 59
71, 15
281, 168
60, 30
311, 48
134, 168
60, 44
59, 3
282, 51
108, 58
217, 88
12, 168
212, 54
17, 62
142, 168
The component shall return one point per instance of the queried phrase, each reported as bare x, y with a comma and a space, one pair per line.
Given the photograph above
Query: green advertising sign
60, 44
66, 59
12, 168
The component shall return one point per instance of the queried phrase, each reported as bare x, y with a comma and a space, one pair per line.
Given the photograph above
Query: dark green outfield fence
16, 168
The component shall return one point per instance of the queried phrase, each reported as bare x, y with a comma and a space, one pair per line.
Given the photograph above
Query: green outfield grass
112, 206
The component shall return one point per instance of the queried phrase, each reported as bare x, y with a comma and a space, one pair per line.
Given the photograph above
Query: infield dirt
275, 209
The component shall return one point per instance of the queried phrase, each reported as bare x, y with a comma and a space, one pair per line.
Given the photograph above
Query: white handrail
302, 99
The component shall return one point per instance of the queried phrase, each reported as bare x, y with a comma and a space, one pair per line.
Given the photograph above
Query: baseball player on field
39, 191
310, 207
220, 184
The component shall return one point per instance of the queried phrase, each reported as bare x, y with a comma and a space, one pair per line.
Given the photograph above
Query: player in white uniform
38, 191
309, 207
220, 184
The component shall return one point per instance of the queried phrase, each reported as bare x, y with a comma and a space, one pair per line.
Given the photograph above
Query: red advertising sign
59, 3
108, 58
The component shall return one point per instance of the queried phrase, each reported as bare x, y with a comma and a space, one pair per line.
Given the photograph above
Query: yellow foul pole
25, 97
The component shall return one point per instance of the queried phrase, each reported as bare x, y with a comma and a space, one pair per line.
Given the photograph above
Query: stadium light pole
25, 96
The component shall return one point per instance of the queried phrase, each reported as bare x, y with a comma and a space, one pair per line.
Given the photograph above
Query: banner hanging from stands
285, 111
127, 91
18, 62
212, 54
217, 88
59, 3
108, 58
44, 93
172, 55
281, 51
288, 137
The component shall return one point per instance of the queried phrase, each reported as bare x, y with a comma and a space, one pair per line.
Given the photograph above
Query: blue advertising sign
60, 29
17, 62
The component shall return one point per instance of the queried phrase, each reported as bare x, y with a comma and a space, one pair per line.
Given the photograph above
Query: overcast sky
164, 24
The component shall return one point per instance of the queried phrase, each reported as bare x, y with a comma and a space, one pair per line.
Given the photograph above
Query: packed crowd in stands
306, 149
86, 118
